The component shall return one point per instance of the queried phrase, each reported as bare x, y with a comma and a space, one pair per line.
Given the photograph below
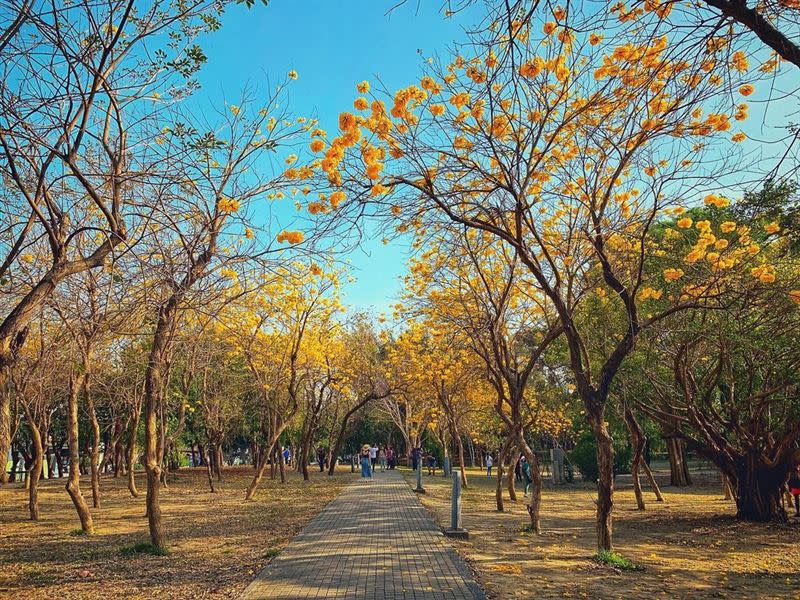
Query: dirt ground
217, 542
690, 546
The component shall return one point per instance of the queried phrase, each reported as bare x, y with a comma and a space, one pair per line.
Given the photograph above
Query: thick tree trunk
605, 481
678, 466
74, 479
758, 491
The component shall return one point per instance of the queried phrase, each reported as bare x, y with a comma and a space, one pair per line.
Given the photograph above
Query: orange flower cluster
291, 237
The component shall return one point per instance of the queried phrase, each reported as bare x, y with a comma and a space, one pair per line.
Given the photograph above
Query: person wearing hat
365, 461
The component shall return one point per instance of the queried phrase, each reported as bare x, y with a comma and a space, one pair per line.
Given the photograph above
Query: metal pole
456, 529
420, 489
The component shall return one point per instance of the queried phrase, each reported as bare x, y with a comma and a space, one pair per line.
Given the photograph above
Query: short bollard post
419, 489
456, 530
446, 466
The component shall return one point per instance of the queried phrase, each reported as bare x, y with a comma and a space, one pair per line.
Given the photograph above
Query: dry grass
690, 546
217, 542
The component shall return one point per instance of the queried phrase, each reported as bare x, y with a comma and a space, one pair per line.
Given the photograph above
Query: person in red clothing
794, 489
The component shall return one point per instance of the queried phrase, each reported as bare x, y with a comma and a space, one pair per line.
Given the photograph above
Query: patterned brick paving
374, 541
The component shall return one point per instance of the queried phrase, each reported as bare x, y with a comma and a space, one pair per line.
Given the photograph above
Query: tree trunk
637, 443
5, 434
678, 466
74, 479
727, 489
758, 491
251, 489
131, 454
605, 481
652, 480
35, 470
95, 457
534, 507
498, 492
511, 476
210, 472
461, 466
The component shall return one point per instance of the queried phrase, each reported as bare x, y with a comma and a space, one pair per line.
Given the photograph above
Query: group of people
522, 470
374, 456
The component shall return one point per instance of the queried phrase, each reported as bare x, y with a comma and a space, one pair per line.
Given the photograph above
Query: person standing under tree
416, 457
794, 489
390, 457
365, 461
321, 458
489, 465
382, 458
373, 456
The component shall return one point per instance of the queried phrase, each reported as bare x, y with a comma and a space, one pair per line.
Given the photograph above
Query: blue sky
332, 44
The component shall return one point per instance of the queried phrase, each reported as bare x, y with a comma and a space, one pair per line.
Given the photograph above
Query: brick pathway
374, 541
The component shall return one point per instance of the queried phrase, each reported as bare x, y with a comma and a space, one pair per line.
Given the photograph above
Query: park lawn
217, 542
690, 546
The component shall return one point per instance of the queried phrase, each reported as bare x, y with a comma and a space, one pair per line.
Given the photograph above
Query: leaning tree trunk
534, 507
35, 470
74, 479
605, 481
251, 489
95, 457
501, 459
131, 454
638, 441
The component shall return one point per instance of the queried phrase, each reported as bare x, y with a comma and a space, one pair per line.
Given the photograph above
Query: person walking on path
526, 474
431, 464
365, 462
794, 489
390, 457
382, 458
321, 458
373, 456
489, 465
416, 456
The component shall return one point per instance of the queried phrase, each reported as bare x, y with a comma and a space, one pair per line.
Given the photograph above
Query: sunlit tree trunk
77, 382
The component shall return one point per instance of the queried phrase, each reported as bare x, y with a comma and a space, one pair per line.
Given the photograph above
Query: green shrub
143, 548
584, 456
612, 559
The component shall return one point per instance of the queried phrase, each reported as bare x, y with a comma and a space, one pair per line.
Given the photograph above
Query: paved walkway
374, 541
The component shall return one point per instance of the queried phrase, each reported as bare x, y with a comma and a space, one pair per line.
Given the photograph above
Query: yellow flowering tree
566, 147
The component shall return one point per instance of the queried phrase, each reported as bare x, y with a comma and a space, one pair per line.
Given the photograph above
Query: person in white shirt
373, 456
489, 464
